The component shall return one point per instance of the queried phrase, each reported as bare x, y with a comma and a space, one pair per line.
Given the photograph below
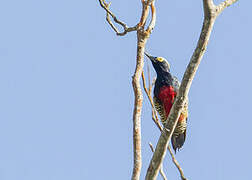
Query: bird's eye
160, 59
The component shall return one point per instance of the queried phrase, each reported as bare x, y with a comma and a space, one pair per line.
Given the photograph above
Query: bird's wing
160, 109
176, 85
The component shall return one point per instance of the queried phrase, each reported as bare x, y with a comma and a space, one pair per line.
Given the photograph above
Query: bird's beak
149, 56
146, 54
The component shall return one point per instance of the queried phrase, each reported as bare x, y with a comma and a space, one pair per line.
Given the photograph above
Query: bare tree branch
142, 36
127, 29
225, 4
182, 176
210, 14
145, 13
161, 171
156, 121
137, 110
153, 19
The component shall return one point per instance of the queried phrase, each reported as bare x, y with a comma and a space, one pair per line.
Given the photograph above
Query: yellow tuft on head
160, 59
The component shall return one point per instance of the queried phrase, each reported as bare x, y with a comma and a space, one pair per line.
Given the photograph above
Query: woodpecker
165, 91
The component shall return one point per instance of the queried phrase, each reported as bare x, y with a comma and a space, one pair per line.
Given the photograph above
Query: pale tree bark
161, 171
142, 36
211, 12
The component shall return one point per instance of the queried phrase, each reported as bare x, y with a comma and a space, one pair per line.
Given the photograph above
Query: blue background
66, 98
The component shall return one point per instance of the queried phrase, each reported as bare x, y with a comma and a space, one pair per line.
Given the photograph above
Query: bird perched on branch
165, 91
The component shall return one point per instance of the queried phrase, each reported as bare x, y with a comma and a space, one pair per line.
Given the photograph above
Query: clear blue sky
66, 97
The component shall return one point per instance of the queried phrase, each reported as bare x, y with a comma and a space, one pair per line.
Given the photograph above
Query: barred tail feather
178, 141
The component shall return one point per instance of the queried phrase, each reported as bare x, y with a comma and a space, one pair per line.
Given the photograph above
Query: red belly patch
167, 96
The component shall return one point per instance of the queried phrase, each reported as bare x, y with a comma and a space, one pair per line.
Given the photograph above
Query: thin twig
225, 4
156, 121
176, 164
109, 20
155, 118
153, 19
127, 29
210, 15
145, 13
161, 171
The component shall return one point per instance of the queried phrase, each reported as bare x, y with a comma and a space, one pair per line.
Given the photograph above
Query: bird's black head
160, 64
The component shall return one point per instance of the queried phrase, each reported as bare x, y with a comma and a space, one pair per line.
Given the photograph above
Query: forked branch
210, 13
127, 29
